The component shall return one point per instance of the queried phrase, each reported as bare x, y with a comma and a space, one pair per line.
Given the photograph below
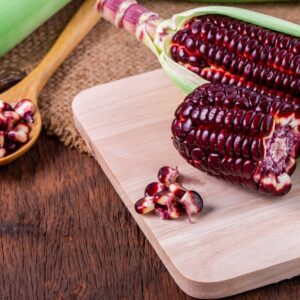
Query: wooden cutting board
241, 241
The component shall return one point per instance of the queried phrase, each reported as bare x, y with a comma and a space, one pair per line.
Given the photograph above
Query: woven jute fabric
106, 54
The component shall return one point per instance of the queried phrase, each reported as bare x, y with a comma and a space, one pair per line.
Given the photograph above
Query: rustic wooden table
65, 234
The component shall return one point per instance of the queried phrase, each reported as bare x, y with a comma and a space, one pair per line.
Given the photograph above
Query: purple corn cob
238, 135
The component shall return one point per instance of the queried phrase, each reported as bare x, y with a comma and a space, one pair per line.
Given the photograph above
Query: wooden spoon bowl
30, 87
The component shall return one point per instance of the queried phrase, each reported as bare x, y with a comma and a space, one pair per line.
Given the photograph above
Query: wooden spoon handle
79, 26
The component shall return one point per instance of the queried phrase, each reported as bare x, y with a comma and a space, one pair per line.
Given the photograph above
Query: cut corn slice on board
241, 240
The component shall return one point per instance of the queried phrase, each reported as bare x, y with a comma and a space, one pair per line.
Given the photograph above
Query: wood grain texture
240, 241
66, 234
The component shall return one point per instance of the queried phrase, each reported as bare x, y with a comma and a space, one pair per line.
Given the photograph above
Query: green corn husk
18, 18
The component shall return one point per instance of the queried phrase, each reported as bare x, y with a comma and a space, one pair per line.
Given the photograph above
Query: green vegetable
18, 18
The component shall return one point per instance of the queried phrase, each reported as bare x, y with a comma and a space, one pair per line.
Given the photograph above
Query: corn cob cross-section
238, 135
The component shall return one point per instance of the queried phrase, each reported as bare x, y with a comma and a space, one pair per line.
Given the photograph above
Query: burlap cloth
106, 54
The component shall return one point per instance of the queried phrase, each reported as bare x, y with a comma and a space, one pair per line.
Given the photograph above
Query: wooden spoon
31, 86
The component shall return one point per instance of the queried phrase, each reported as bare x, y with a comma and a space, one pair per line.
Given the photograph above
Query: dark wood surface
65, 234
